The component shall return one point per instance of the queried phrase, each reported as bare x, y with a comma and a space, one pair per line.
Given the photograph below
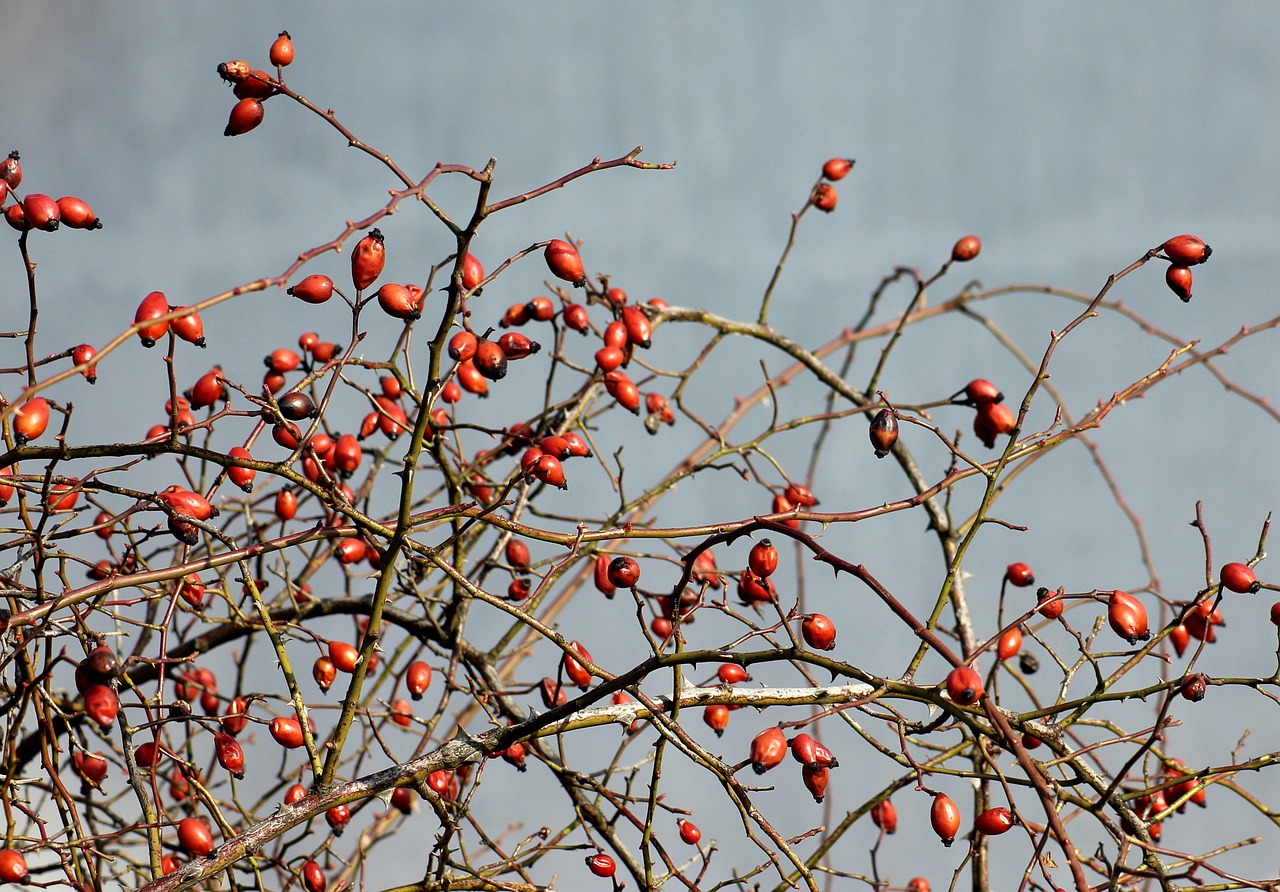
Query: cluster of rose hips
95, 682
253, 87
770, 747
992, 418
1198, 620
945, 819
1183, 252
61, 496
792, 498
37, 210
31, 419
1126, 615
95, 679
481, 361
824, 196
1128, 618
755, 586
193, 836
338, 456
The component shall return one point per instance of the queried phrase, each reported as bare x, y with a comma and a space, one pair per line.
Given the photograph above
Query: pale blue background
1071, 138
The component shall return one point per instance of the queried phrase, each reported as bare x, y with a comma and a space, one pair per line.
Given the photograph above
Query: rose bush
212, 625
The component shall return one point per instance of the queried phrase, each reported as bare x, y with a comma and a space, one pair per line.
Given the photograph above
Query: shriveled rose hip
234, 71
883, 432
824, 197
11, 169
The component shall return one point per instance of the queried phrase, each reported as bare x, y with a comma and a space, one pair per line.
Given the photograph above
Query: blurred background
1071, 139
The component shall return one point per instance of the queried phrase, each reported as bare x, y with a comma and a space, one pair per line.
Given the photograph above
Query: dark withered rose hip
883, 432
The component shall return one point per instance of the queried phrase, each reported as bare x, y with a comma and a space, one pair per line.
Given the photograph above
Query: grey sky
1071, 137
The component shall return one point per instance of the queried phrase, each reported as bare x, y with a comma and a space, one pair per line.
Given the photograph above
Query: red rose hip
13, 866
1178, 278
194, 837
994, 821
837, 168
1186, 250
964, 685
768, 748
281, 50
564, 262
944, 816
245, 115
819, 632
1239, 578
